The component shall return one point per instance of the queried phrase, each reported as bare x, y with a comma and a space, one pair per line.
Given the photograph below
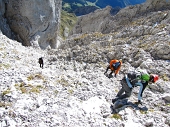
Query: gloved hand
131, 88
139, 102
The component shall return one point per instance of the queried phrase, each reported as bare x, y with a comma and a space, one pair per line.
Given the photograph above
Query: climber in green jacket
132, 80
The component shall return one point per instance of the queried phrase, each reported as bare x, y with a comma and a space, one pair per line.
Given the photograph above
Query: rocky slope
71, 89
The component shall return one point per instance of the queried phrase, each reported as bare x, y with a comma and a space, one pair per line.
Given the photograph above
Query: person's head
153, 78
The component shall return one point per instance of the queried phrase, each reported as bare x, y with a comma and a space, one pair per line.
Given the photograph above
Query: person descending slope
133, 79
40, 61
114, 66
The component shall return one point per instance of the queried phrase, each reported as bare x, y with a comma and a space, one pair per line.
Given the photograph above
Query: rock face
103, 21
4, 27
34, 22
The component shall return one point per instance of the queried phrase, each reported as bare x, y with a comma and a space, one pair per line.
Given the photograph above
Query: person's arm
111, 63
118, 69
128, 82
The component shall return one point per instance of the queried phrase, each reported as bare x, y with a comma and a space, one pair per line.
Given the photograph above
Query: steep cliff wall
34, 22
4, 27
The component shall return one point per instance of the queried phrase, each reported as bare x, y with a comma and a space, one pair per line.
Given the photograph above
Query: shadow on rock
122, 104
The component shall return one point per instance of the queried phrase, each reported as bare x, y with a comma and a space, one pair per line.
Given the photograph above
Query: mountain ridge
75, 5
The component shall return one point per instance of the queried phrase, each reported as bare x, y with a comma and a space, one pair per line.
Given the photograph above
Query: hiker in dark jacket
114, 66
40, 61
128, 83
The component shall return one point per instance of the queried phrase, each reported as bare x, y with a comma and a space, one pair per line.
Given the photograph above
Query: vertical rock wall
4, 27
34, 22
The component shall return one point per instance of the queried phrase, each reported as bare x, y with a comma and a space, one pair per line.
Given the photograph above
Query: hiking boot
110, 76
114, 100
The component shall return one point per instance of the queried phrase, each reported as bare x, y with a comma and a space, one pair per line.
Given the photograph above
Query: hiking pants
125, 88
108, 69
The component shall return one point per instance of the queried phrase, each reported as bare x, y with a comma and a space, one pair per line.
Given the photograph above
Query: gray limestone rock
34, 22
103, 21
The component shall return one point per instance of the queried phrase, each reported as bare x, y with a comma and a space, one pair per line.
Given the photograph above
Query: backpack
40, 60
134, 76
116, 65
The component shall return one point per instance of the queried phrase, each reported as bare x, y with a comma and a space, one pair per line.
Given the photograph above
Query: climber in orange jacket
114, 67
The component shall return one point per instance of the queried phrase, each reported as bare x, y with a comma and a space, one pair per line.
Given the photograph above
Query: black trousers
125, 91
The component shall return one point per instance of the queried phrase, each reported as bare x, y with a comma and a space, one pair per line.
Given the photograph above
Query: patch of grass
31, 77
116, 116
34, 89
82, 36
161, 26
6, 92
168, 105
23, 89
104, 124
63, 82
28, 88
70, 91
151, 110
56, 92
4, 104
147, 45
98, 35
35, 76
165, 77
1, 49
4, 66
68, 20
143, 112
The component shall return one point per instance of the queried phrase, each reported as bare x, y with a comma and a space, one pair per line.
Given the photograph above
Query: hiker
114, 66
132, 80
40, 61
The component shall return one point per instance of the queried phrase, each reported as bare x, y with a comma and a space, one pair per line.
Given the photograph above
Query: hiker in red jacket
114, 66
